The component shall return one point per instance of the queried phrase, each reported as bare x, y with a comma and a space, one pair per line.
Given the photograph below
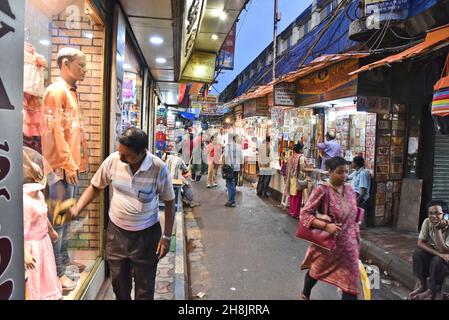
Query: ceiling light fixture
214, 37
222, 15
156, 40
44, 42
161, 60
89, 35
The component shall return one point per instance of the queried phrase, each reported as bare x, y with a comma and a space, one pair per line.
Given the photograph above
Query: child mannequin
42, 282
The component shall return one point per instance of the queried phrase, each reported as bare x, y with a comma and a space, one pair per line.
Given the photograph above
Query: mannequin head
72, 65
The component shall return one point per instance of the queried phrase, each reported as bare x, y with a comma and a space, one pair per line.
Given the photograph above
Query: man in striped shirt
179, 171
134, 244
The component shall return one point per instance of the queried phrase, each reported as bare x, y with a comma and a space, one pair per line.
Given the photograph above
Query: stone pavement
391, 250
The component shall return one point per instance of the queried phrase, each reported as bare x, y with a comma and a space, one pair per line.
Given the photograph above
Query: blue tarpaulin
335, 40
188, 116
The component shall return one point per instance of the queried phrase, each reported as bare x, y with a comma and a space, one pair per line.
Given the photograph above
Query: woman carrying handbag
296, 179
339, 266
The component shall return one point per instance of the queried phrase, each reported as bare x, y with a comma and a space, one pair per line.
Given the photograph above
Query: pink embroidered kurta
42, 282
341, 266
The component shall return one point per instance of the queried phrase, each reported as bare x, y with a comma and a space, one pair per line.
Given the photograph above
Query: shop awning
319, 63
435, 39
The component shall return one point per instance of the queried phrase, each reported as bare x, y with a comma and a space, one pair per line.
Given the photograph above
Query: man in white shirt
134, 244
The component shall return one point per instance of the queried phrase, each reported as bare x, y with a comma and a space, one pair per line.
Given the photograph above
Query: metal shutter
441, 168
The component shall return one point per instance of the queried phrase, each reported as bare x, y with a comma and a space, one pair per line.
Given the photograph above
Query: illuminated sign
201, 67
192, 17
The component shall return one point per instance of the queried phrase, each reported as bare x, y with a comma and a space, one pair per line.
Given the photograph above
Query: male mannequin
64, 147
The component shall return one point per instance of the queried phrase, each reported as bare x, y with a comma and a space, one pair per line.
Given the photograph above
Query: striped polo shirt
135, 198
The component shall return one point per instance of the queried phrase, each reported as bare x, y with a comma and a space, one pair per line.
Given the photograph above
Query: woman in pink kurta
42, 282
339, 267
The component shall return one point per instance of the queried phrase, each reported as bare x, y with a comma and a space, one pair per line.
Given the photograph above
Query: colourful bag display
440, 102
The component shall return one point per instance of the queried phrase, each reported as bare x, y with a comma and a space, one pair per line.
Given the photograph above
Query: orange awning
435, 39
319, 63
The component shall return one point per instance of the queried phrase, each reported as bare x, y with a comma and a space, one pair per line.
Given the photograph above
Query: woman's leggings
310, 282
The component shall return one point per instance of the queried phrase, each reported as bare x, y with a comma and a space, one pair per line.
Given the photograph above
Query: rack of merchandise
390, 148
161, 131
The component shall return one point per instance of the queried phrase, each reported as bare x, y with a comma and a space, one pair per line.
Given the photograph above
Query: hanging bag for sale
440, 102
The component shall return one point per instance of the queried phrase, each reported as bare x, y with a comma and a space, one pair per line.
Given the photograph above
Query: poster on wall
11, 106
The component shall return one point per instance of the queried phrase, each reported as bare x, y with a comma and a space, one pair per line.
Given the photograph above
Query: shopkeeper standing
331, 148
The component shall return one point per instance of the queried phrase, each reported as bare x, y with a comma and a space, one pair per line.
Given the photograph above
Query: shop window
132, 90
63, 101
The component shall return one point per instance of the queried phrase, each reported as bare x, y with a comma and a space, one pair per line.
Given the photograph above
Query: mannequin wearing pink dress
42, 282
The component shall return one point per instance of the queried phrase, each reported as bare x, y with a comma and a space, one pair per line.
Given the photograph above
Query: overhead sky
255, 32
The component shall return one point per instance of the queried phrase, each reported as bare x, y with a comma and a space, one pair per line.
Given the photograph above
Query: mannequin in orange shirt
64, 148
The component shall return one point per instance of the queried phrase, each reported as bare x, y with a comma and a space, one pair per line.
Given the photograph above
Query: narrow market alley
250, 251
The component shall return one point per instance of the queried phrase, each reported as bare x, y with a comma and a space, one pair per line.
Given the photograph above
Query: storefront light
161, 60
332, 115
156, 40
214, 37
45, 42
127, 66
219, 13
89, 35
200, 70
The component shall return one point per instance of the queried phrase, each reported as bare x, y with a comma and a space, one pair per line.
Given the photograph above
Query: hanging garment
42, 282
33, 75
32, 115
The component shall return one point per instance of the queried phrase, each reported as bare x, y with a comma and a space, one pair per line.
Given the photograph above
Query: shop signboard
328, 84
192, 17
262, 107
200, 68
11, 106
249, 108
256, 108
225, 59
385, 6
285, 94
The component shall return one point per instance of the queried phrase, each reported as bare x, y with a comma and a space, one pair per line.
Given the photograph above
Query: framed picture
381, 187
383, 151
382, 169
383, 141
398, 125
384, 124
380, 211
381, 177
397, 151
397, 141
382, 160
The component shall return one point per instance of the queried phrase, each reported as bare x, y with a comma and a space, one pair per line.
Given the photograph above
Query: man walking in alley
134, 244
233, 159
431, 258
331, 148
265, 173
